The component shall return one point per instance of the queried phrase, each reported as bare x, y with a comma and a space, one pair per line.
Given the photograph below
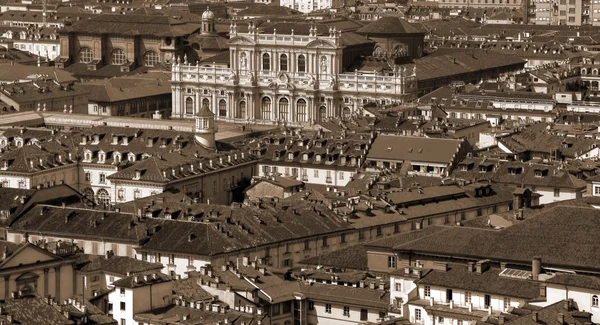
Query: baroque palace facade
296, 77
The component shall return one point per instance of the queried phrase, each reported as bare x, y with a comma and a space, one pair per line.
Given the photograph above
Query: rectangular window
328, 308
396, 228
123, 306
487, 299
467, 297
557, 192
391, 262
88, 177
440, 320
275, 310
324, 241
342, 238
398, 286
306, 244
123, 321
364, 314
427, 291
110, 307
418, 315
341, 175
102, 178
311, 305
316, 173
506, 303
347, 311
379, 231
122, 291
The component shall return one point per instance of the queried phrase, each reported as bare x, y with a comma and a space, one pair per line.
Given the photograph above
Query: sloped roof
414, 149
389, 26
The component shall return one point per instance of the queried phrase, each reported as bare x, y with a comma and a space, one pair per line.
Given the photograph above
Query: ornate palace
300, 75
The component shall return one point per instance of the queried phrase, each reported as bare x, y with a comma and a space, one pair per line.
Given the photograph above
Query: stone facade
289, 79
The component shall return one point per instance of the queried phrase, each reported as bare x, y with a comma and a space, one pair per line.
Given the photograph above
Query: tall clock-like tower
205, 128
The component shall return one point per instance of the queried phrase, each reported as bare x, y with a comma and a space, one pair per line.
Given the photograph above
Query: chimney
536, 267
534, 316
471, 266
561, 318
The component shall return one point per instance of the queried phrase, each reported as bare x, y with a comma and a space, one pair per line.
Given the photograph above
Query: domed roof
205, 112
208, 15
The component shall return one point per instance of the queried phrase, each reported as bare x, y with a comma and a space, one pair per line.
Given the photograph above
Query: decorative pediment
240, 40
282, 82
320, 43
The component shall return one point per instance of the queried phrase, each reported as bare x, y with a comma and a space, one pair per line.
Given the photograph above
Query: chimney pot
534, 316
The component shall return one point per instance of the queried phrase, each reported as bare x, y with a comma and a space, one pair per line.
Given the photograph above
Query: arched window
346, 113
88, 193
103, 198
189, 106
86, 55
118, 57
266, 109
283, 62
301, 63
322, 113
222, 108
241, 111
594, 301
206, 103
284, 105
378, 51
151, 59
266, 64
301, 110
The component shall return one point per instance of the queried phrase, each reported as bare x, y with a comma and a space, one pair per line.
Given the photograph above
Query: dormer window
87, 156
125, 141
291, 156
514, 170
115, 140
101, 156
540, 172
305, 157
138, 174
131, 157
4, 164
318, 158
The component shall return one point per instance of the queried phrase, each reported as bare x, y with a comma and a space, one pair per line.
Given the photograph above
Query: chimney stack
561, 318
534, 316
536, 267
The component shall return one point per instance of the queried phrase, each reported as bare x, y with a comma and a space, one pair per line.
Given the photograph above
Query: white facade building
307, 6
292, 79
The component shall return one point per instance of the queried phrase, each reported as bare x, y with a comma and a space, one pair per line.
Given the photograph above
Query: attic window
514, 170
389, 149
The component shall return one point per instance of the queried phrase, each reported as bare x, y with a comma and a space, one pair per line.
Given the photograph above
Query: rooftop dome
208, 15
